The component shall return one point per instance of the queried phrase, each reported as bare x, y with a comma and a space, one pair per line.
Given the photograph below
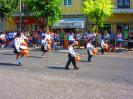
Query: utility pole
20, 14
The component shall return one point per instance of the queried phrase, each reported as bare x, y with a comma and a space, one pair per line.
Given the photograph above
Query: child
24, 49
71, 56
90, 48
18, 42
44, 46
102, 46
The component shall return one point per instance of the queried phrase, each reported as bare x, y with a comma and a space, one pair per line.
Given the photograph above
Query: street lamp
20, 14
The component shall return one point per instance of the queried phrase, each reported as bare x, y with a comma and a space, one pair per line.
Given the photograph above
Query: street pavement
108, 76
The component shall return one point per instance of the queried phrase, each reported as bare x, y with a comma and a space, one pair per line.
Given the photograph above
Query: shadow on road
83, 61
7, 64
55, 67
35, 56
7, 54
119, 51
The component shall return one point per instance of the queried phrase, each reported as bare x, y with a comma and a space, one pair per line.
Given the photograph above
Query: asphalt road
108, 76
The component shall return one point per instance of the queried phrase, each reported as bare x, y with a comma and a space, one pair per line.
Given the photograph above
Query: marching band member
49, 40
21, 49
24, 49
18, 42
71, 56
44, 46
104, 47
90, 48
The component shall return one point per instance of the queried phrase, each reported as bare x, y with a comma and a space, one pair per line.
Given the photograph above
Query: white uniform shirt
89, 46
18, 42
71, 51
71, 37
102, 43
48, 36
44, 42
3, 36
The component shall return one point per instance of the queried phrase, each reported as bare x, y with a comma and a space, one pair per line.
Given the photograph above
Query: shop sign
69, 24
29, 20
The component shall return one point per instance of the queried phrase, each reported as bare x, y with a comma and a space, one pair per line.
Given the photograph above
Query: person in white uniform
18, 42
71, 56
44, 46
90, 48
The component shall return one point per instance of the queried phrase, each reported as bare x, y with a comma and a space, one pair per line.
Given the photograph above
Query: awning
70, 23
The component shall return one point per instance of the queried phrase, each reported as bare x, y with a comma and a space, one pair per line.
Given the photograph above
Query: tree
98, 10
50, 10
7, 8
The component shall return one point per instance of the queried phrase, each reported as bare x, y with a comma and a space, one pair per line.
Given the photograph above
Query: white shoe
43, 56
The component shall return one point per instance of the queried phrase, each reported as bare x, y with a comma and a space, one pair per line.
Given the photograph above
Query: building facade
122, 18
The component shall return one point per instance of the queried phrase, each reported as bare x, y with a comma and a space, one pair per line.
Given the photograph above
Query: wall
75, 8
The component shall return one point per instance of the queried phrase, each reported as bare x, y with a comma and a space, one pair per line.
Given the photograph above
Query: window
67, 2
123, 3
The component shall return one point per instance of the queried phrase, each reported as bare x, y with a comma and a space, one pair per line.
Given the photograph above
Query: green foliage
98, 10
7, 8
48, 9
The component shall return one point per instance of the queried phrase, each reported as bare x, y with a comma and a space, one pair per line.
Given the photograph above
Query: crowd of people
52, 40
60, 38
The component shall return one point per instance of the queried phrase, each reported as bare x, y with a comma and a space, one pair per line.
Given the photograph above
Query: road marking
5, 50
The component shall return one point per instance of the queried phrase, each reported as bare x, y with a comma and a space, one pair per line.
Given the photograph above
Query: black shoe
89, 61
67, 68
76, 68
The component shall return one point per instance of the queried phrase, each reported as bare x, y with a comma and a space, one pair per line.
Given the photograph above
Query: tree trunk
97, 32
38, 28
87, 23
46, 24
96, 25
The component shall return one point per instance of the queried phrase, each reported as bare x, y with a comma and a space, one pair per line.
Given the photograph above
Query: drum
77, 58
94, 51
49, 47
24, 49
75, 43
24, 52
106, 47
49, 42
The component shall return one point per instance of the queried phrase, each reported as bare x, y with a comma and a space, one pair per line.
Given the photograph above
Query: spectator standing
112, 41
71, 37
85, 38
119, 39
79, 38
2, 39
62, 38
